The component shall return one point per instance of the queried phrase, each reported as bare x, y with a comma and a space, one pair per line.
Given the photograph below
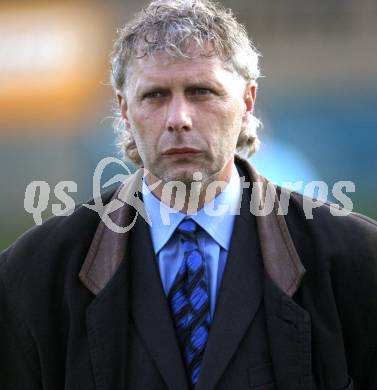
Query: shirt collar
216, 218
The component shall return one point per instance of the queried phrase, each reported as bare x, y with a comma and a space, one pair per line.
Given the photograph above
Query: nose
178, 115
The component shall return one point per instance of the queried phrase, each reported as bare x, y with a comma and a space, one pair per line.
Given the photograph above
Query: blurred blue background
317, 98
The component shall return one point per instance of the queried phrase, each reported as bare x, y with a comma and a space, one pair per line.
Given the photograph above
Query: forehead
162, 67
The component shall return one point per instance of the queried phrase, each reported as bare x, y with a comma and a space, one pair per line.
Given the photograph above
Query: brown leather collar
108, 248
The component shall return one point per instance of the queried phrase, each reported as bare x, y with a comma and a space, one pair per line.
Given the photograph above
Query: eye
154, 95
200, 91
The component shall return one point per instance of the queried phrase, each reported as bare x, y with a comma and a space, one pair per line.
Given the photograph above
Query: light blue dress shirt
213, 240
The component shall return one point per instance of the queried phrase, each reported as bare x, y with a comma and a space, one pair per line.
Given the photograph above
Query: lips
181, 151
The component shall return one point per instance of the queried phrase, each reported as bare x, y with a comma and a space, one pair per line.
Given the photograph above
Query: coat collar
107, 248
106, 252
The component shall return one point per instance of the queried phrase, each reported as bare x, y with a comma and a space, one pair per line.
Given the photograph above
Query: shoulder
326, 222
58, 243
318, 229
341, 247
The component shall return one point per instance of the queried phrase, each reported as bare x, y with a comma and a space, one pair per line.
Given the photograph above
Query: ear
123, 106
249, 100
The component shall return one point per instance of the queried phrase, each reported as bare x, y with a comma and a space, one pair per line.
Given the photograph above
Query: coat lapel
105, 274
240, 296
288, 324
242, 291
108, 247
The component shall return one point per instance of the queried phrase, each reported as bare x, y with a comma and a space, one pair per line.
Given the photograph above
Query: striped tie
189, 301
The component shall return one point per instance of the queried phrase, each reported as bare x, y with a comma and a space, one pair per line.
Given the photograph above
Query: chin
184, 172
184, 176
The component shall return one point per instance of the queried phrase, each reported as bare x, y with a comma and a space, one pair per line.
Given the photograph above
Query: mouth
181, 152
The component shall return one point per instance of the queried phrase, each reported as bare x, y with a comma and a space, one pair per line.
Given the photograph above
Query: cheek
147, 120
137, 121
228, 119
145, 132
139, 127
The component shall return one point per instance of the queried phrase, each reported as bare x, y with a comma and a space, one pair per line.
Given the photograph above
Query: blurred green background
317, 98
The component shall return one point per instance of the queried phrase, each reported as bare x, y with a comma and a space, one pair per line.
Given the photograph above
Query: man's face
186, 115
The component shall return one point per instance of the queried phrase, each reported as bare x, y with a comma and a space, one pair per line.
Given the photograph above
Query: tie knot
187, 229
187, 226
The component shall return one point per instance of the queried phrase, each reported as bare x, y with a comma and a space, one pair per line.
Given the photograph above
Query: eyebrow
205, 83
195, 83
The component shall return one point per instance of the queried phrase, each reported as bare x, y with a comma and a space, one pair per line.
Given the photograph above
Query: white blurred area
51, 62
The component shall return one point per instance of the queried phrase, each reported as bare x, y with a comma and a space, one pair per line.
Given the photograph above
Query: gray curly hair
171, 26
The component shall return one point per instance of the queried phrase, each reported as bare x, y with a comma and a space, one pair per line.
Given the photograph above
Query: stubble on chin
204, 176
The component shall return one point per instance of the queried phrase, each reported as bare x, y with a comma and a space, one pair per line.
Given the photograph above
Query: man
201, 299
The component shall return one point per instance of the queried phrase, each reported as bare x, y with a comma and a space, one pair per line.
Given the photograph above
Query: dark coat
73, 315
